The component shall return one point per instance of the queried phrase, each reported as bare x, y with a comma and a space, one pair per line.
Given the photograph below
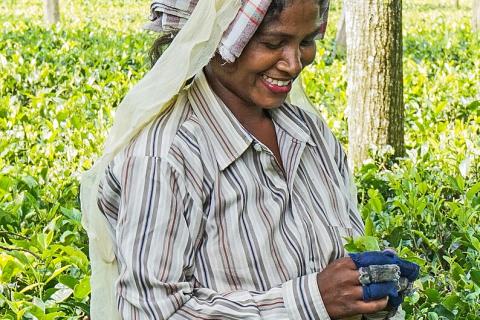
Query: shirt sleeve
158, 232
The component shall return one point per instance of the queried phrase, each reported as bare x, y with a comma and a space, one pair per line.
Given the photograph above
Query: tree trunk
52, 11
458, 4
375, 107
341, 38
476, 16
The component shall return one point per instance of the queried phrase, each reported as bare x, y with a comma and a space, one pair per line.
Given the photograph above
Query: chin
271, 104
268, 100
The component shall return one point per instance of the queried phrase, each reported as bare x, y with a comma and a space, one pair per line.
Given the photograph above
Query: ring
364, 276
379, 273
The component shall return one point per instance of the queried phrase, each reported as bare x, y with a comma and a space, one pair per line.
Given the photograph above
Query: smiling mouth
275, 82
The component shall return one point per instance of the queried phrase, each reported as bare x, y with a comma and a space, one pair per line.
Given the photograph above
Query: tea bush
58, 91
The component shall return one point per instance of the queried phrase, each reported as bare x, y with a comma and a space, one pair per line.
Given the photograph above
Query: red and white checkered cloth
171, 15
236, 37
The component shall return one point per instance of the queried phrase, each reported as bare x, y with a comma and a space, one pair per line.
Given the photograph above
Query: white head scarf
192, 48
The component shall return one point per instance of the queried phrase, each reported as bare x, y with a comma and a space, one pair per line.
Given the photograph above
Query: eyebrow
287, 35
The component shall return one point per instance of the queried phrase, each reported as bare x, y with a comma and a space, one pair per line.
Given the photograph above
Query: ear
217, 63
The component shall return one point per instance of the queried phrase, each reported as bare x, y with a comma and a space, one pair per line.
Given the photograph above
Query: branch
13, 234
21, 249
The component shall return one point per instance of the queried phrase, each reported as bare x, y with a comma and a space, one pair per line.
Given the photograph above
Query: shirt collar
229, 138
292, 120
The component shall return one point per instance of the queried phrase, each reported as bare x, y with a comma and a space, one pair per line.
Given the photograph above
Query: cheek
309, 55
256, 59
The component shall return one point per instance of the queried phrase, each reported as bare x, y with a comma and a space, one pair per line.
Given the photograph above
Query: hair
159, 46
165, 39
276, 7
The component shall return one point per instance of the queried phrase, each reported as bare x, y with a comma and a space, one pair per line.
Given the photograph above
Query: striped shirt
208, 226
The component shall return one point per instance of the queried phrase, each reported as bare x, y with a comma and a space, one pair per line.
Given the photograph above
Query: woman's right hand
342, 293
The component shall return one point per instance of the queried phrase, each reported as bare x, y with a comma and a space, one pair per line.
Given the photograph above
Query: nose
291, 61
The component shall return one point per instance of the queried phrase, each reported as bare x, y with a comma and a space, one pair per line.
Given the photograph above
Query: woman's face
262, 76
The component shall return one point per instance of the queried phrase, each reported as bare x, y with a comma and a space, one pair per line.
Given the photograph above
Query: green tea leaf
473, 191
82, 289
56, 273
475, 276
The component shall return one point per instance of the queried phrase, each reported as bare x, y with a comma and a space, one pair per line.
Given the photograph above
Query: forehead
296, 15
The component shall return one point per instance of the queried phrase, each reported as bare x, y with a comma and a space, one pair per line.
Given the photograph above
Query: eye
273, 45
308, 42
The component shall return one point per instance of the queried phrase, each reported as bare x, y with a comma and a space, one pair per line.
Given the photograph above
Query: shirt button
257, 147
311, 264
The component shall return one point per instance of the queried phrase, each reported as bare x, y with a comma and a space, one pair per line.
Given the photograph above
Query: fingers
347, 262
390, 250
407, 269
379, 290
352, 277
379, 273
366, 259
371, 306
374, 291
342, 292
358, 293
365, 283
394, 302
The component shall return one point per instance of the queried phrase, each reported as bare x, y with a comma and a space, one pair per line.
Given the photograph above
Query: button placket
270, 164
304, 234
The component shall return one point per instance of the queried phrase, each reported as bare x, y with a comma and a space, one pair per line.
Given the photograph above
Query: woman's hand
342, 293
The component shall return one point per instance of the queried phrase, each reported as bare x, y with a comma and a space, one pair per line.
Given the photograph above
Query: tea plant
58, 91
427, 205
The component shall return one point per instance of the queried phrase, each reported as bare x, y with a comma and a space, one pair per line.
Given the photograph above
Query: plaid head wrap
169, 16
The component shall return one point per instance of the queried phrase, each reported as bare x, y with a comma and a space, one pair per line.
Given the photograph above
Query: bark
52, 11
341, 38
375, 106
476, 16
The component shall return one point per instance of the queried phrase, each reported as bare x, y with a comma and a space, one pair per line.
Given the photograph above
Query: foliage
58, 92
427, 205
58, 89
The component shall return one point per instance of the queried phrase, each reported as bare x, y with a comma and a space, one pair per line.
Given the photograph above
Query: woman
223, 200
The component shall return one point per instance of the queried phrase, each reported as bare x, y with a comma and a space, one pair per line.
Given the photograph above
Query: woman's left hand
342, 293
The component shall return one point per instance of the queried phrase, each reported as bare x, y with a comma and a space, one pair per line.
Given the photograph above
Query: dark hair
276, 7
159, 46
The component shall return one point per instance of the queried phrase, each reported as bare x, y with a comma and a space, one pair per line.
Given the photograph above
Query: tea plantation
58, 91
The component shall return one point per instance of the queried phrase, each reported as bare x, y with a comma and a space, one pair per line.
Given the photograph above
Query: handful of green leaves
383, 274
